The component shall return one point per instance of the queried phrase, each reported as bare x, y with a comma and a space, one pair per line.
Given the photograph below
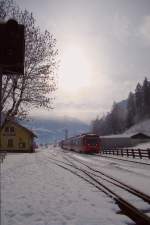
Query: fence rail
134, 153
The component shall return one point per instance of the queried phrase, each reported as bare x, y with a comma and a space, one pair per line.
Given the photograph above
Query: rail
134, 153
134, 213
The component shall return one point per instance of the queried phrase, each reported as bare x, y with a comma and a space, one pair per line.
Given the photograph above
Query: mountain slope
143, 126
51, 130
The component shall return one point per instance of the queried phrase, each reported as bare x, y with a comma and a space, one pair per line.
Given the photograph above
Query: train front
92, 144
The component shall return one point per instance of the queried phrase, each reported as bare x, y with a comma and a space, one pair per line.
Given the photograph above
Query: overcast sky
104, 48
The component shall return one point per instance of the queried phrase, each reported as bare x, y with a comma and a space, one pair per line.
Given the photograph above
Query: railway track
114, 181
133, 203
115, 158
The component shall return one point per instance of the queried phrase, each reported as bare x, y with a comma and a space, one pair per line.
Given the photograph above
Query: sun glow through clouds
75, 69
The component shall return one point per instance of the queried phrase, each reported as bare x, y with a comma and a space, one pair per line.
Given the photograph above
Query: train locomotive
84, 143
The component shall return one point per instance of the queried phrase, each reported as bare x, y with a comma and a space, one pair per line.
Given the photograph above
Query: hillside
143, 126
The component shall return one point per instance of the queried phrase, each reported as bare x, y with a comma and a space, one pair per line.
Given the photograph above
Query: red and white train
84, 143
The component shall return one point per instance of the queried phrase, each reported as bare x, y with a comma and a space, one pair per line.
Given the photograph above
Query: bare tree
35, 87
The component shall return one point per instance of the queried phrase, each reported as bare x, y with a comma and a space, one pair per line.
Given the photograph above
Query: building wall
109, 143
122, 142
16, 138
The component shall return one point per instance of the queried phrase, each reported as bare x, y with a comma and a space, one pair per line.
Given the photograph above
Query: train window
92, 140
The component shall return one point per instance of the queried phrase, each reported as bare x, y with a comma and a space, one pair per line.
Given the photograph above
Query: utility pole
12, 50
1, 76
0, 136
0, 102
66, 134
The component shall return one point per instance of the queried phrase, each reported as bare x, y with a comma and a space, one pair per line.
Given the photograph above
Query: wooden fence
134, 153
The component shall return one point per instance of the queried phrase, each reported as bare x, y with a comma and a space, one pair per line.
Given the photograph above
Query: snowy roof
117, 136
125, 135
140, 135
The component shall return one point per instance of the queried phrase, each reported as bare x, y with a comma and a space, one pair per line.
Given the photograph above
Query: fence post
133, 153
140, 155
148, 151
122, 152
127, 152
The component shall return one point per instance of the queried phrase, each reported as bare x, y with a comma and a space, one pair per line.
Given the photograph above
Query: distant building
16, 138
123, 140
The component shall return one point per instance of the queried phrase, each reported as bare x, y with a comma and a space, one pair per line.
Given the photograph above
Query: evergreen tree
120, 118
95, 126
139, 102
131, 110
116, 119
146, 97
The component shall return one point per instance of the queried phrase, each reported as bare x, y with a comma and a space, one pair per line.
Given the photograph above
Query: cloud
121, 28
145, 29
114, 37
43, 130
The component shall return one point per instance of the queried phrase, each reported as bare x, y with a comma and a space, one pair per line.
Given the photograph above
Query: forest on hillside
125, 114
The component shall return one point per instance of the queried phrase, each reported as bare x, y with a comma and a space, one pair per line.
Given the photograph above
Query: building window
12, 130
6, 129
9, 129
10, 143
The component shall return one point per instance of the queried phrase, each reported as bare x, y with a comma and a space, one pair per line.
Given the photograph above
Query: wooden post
148, 151
140, 155
122, 152
0, 105
127, 152
0, 135
133, 153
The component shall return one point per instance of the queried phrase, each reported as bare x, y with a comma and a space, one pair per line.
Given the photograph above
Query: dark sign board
12, 47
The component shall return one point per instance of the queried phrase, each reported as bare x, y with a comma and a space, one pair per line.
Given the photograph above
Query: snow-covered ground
136, 175
143, 146
36, 192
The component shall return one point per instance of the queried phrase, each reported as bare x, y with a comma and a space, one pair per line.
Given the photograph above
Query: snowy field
36, 192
